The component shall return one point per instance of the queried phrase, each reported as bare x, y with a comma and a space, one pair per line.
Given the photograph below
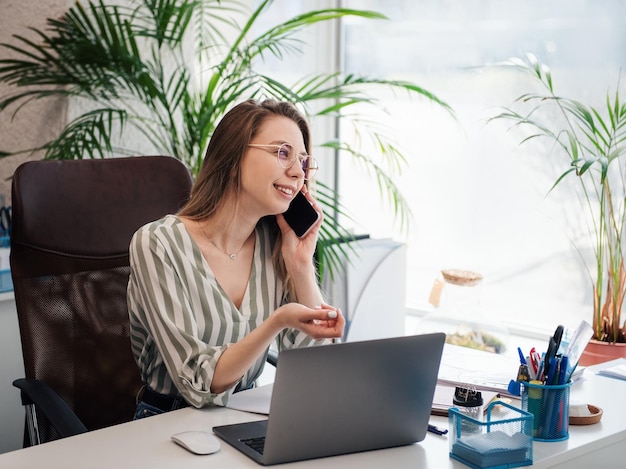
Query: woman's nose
296, 171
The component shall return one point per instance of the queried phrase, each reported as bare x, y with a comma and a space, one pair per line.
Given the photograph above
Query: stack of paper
494, 449
615, 369
256, 400
484, 371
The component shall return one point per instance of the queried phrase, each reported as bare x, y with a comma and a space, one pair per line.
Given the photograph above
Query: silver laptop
344, 398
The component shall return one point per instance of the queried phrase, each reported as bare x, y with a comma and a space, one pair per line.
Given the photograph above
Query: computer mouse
197, 441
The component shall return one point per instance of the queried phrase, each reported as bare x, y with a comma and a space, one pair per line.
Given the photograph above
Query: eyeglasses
286, 157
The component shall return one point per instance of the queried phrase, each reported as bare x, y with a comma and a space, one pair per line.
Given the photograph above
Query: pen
437, 430
539, 375
563, 370
522, 359
534, 363
547, 361
551, 371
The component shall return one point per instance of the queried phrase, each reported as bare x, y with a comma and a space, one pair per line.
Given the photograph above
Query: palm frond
88, 136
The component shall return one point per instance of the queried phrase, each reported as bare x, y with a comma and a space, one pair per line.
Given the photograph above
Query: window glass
480, 200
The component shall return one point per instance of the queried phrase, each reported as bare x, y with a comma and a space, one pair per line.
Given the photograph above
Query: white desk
146, 443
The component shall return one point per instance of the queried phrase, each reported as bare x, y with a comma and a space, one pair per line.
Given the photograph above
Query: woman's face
267, 187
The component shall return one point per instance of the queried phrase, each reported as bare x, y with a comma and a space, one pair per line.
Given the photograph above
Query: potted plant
591, 142
130, 61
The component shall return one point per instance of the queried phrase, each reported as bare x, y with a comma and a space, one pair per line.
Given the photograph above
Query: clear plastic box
504, 439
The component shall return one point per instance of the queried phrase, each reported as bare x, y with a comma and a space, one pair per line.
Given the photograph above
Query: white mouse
197, 441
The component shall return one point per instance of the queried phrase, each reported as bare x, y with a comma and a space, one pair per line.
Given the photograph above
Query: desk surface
146, 443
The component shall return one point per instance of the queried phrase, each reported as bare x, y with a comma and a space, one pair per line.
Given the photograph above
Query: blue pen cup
549, 405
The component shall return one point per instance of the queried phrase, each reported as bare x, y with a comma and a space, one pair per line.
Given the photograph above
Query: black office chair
71, 227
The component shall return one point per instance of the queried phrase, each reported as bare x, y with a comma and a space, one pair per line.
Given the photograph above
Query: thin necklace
232, 255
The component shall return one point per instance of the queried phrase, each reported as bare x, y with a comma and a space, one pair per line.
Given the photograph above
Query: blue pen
437, 430
545, 425
522, 360
550, 355
563, 370
551, 371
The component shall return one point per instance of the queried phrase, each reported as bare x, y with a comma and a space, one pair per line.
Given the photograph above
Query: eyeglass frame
312, 165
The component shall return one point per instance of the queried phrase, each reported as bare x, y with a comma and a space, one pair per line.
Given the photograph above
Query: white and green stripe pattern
180, 318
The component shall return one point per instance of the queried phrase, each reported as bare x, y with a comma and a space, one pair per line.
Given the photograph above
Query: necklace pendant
233, 256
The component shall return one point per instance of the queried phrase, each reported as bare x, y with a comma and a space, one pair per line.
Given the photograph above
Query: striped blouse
181, 320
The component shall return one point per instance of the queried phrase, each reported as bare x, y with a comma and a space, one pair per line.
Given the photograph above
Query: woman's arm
324, 322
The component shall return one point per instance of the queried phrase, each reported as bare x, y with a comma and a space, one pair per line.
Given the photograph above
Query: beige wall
39, 121
33, 125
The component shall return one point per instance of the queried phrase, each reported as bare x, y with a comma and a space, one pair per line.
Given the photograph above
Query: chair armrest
59, 414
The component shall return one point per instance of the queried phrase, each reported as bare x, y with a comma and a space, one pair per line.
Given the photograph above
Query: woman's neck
227, 230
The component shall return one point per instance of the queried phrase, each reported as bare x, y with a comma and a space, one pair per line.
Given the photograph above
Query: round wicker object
596, 415
465, 278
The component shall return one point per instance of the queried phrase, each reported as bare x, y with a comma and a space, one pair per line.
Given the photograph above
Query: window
479, 199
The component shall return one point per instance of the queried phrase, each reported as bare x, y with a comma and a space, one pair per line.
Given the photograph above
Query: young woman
211, 287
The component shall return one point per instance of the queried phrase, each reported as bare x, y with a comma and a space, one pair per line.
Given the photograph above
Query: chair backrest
71, 228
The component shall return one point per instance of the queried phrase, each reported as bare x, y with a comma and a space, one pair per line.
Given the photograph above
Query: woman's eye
285, 152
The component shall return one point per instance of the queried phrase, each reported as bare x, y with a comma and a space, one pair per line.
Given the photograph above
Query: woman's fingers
329, 326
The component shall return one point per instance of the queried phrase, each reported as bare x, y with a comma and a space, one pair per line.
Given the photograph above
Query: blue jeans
144, 409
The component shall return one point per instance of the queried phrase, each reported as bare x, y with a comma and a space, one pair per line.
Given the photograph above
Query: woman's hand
322, 322
298, 257
299, 251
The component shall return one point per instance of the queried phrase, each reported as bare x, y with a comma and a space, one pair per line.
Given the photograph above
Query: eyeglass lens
287, 157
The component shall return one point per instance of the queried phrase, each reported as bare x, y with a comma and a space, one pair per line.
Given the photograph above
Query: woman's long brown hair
221, 167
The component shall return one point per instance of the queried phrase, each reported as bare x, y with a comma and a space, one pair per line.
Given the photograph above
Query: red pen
534, 362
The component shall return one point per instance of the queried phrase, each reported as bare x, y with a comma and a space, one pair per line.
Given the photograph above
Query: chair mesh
79, 338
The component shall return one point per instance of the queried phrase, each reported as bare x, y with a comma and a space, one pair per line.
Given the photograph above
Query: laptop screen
346, 398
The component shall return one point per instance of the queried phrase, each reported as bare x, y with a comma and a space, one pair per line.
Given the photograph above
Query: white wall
11, 367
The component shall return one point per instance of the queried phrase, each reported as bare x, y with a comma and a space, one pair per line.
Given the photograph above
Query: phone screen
301, 215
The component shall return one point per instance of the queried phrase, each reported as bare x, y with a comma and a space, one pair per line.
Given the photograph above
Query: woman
212, 287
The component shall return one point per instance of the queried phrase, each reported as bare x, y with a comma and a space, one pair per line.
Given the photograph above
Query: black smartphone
301, 215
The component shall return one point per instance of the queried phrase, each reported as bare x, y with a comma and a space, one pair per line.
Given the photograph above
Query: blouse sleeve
164, 310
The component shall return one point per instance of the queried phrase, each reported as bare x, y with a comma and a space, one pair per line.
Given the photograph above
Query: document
484, 371
256, 400
614, 369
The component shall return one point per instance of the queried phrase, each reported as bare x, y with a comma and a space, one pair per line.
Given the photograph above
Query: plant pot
600, 352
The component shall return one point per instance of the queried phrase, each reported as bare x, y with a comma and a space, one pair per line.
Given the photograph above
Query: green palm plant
593, 143
130, 62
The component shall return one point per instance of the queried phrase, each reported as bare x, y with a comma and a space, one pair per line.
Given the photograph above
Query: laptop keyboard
257, 443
